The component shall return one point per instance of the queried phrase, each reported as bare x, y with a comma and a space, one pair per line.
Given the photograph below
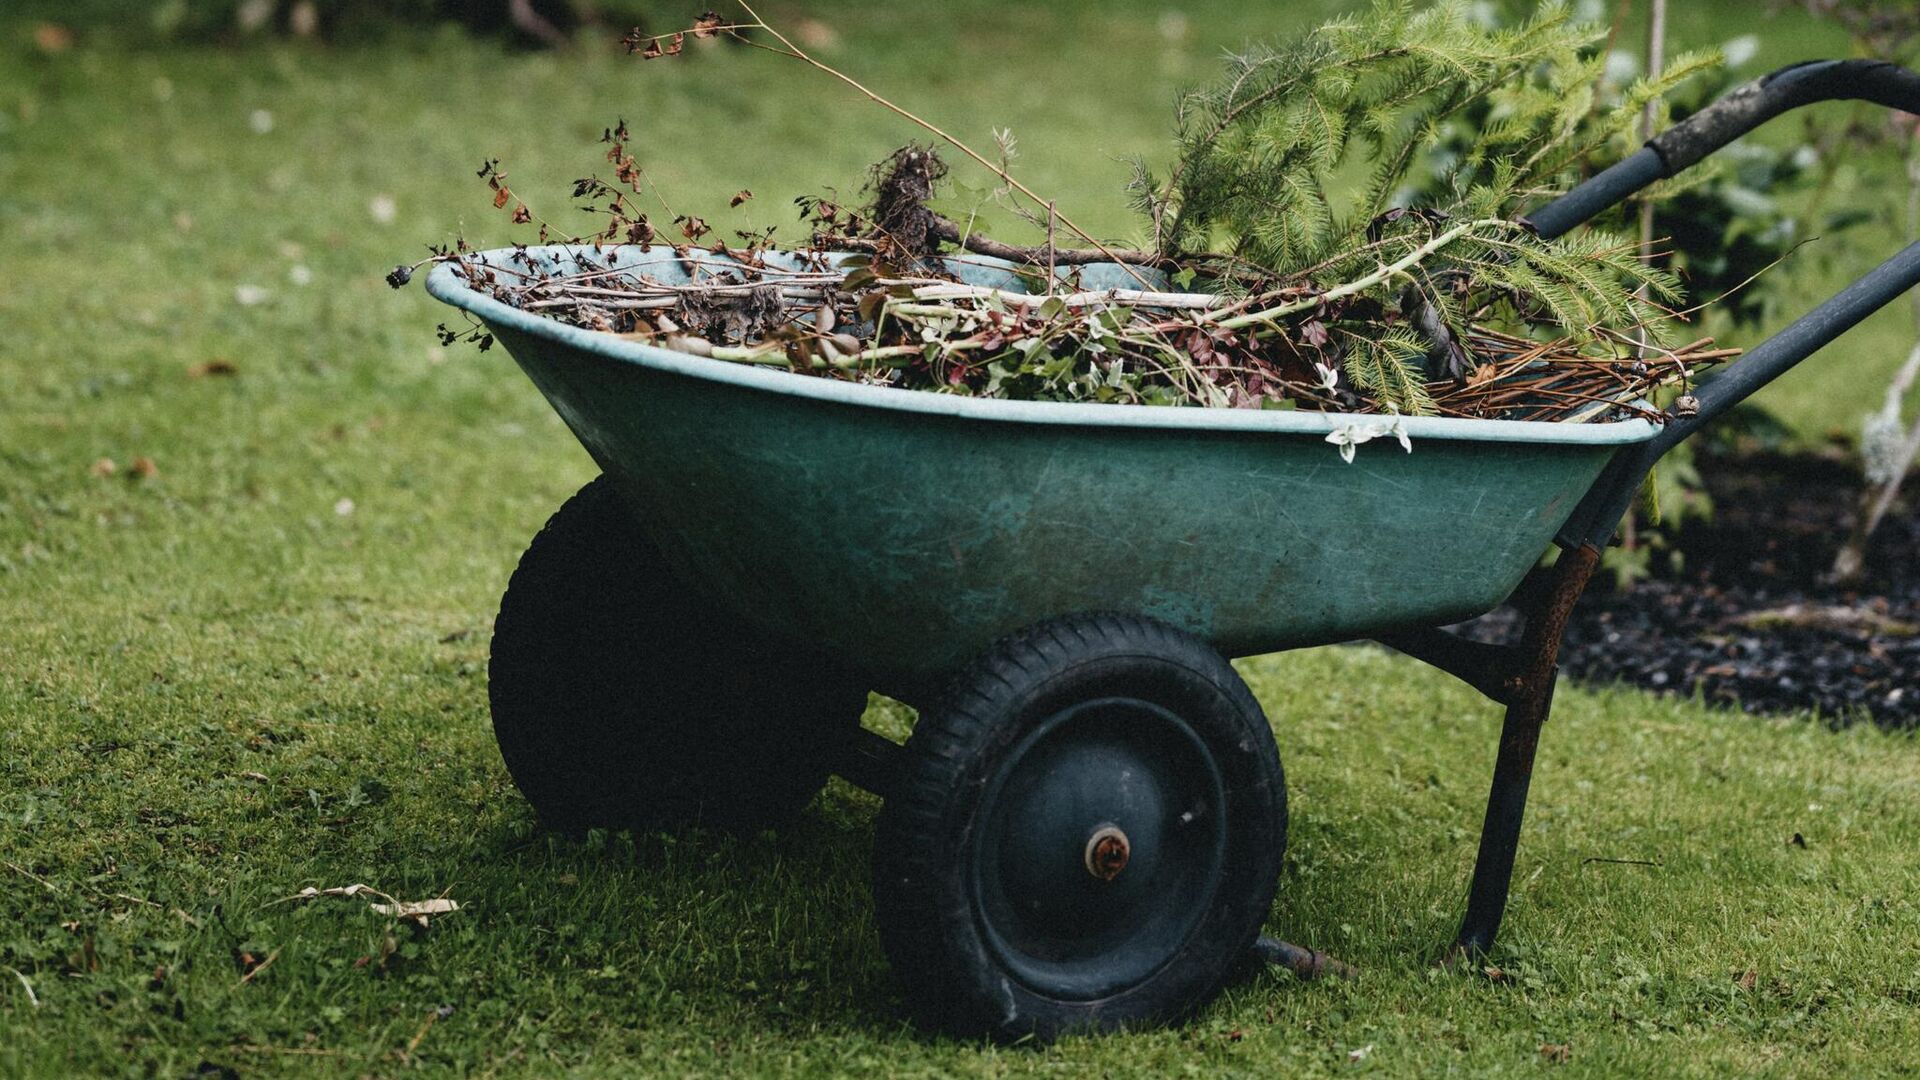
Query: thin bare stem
1656, 64
981, 159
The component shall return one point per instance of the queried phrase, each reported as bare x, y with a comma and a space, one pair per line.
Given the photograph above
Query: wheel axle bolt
1107, 852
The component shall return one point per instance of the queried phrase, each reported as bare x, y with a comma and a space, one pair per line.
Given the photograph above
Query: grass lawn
262, 666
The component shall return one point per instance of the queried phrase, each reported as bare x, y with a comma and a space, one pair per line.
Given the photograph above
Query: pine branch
1265, 154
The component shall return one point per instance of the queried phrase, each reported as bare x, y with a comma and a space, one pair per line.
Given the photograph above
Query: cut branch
795, 51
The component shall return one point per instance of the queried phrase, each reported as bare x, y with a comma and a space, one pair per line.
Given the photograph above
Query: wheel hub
1107, 852
1098, 848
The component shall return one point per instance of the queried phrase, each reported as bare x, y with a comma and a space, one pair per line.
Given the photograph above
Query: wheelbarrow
1085, 829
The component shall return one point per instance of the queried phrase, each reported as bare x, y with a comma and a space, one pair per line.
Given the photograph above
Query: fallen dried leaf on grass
1557, 1053
416, 910
310, 892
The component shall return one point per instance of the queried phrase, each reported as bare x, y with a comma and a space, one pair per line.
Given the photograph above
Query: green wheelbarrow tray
1084, 830
903, 531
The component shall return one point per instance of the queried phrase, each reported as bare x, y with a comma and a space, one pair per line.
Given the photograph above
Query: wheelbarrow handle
1746, 108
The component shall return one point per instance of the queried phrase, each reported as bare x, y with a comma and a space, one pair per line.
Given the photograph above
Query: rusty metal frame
1522, 678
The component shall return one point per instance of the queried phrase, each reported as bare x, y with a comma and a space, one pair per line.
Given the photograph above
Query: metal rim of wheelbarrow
1100, 845
445, 285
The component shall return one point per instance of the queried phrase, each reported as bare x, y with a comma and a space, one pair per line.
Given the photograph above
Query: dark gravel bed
1746, 620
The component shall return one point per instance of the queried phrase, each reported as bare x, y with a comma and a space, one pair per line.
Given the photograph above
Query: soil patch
1745, 619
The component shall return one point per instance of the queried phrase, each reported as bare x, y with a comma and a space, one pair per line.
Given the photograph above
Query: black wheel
1087, 834
622, 699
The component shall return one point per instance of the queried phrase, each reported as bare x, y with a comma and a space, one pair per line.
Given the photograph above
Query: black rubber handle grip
1713, 127
1759, 101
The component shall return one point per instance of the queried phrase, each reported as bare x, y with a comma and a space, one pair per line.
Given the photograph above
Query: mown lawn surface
261, 666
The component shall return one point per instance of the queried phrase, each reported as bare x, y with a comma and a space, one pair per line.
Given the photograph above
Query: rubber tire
622, 699
922, 855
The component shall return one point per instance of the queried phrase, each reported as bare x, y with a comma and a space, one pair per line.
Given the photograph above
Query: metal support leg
1500, 832
1527, 708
